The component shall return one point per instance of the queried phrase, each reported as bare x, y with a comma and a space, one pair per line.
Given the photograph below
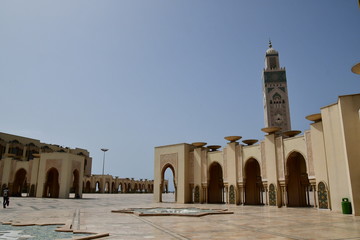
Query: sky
130, 75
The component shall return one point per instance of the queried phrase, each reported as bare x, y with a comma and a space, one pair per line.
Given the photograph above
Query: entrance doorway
97, 187
76, 183
253, 183
168, 192
52, 186
19, 185
107, 190
297, 181
216, 184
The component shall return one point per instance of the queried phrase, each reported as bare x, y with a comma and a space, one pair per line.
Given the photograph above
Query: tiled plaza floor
93, 213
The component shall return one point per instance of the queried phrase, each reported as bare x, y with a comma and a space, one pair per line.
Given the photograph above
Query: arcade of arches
31, 168
317, 169
253, 190
109, 184
297, 190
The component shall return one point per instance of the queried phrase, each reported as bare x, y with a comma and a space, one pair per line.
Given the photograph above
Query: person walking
6, 197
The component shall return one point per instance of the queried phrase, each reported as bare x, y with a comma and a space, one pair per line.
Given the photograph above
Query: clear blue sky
132, 75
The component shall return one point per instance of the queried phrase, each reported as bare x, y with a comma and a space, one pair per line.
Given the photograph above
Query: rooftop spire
270, 44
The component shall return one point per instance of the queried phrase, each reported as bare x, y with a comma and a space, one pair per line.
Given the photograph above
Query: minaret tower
276, 101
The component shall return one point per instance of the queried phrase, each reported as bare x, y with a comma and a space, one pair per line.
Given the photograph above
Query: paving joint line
75, 223
175, 235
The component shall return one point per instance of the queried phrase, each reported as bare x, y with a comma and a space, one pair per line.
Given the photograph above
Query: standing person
6, 197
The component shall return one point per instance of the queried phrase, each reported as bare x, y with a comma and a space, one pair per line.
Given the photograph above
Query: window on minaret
272, 62
277, 99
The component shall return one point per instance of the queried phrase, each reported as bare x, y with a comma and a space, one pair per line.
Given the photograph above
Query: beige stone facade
32, 168
317, 168
110, 184
41, 170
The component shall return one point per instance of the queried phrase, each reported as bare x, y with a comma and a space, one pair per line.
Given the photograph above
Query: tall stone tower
276, 101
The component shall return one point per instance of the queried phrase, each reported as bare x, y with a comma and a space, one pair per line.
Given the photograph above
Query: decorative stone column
237, 195
313, 186
161, 191
283, 189
226, 188
204, 196
266, 192
241, 194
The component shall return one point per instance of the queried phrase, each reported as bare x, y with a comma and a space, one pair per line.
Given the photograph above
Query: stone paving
93, 213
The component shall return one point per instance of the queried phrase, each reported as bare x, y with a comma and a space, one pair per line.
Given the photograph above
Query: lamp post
104, 150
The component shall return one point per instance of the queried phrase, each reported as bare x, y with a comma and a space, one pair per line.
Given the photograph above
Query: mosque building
31, 168
286, 169
41, 170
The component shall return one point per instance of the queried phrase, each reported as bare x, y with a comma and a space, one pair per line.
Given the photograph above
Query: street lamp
104, 150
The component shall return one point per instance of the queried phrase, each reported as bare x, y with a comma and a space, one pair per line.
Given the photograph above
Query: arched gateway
297, 181
216, 184
19, 183
52, 186
253, 183
164, 187
75, 186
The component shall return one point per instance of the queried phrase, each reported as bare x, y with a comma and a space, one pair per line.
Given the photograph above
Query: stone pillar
175, 189
160, 192
237, 195
266, 196
283, 189
241, 194
315, 195
206, 194
307, 191
244, 195
227, 194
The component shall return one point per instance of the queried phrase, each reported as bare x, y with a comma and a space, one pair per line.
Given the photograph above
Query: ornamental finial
270, 44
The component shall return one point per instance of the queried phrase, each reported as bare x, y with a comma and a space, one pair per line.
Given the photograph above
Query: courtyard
93, 214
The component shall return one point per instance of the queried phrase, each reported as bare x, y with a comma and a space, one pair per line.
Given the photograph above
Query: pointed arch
113, 189
107, 187
88, 187
197, 194
323, 195
52, 185
253, 182
216, 184
232, 199
19, 183
297, 181
272, 195
75, 185
97, 187
164, 184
